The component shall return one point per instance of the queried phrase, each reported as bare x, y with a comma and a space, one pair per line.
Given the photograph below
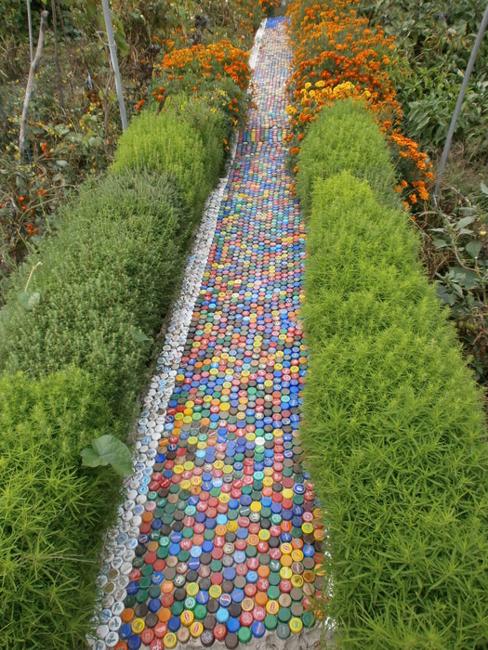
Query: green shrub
217, 93
102, 286
185, 141
394, 432
212, 125
52, 511
345, 137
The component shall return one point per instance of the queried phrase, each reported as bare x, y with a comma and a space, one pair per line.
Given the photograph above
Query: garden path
220, 535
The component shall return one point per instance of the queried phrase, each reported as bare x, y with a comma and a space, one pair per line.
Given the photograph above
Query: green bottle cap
142, 595
270, 622
244, 634
177, 607
162, 552
283, 630
284, 614
190, 602
251, 551
274, 579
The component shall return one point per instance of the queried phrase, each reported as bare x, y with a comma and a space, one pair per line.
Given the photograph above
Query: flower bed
341, 52
217, 72
338, 55
269, 6
74, 122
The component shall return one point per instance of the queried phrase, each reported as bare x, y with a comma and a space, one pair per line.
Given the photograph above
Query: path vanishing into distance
219, 537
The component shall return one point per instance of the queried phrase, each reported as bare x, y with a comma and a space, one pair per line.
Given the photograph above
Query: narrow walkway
229, 534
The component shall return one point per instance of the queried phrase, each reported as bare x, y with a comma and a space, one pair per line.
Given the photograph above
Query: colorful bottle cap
244, 635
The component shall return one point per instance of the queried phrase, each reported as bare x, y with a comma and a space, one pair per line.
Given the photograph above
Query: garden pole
115, 63
452, 127
29, 24
30, 84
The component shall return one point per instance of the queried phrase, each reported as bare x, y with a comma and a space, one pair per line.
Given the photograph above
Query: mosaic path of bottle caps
230, 535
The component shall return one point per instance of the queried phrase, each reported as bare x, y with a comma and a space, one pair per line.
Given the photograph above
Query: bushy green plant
223, 94
184, 147
394, 432
345, 137
95, 293
52, 511
210, 122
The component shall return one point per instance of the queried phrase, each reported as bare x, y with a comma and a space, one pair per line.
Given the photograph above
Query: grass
345, 136
52, 511
395, 434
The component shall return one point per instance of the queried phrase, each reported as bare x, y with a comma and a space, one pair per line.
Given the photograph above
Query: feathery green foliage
75, 339
52, 511
394, 431
184, 141
103, 285
211, 123
345, 136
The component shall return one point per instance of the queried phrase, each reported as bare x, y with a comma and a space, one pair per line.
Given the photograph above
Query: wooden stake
459, 104
59, 77
29, 24
30, 82
115, 63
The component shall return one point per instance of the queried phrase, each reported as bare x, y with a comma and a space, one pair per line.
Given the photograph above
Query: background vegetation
73, 119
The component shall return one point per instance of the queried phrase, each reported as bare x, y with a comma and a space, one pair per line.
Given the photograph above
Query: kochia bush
394, 429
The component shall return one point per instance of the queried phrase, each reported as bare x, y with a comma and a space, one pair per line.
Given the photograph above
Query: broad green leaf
464, 277
446, 296
108, 450
440, 243
473, 248
484, 188
465, 221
